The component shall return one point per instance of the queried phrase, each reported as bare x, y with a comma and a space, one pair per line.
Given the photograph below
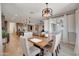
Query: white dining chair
28, 35
28, 51
54, 47
56, 43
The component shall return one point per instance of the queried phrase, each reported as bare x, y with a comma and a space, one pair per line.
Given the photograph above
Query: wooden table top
41, 44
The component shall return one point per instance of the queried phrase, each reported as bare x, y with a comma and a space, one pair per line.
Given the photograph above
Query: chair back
57, 41
24, 45
28, 34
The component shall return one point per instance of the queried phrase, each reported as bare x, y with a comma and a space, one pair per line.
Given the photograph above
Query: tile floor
13, 48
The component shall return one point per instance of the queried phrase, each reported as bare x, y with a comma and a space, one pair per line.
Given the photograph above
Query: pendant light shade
47, 12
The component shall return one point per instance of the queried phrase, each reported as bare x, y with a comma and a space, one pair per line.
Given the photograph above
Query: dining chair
28, 51
28, 35
54, 44
57, 43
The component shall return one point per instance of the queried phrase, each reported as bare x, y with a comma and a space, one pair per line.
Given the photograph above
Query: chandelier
47, 12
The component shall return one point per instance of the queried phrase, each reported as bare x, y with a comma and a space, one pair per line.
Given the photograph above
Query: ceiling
19, 12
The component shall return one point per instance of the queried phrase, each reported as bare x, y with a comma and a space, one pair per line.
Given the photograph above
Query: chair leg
52, 54
56, 52
23, 54
38, 54
42, 52
57, 49
59, 46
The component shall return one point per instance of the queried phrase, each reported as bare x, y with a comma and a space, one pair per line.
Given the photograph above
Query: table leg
42, 52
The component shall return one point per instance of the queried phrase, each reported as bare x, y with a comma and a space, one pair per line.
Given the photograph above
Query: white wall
11, 27
65, 29
51, 22
0, 33
71, 29
71, 23
77, 33
46, 25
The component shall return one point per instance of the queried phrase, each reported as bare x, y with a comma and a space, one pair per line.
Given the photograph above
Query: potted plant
5, 36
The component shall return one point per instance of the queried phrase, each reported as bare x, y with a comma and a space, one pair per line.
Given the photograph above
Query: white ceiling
19, 12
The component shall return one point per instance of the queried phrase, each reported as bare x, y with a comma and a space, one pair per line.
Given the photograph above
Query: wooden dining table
40, 44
